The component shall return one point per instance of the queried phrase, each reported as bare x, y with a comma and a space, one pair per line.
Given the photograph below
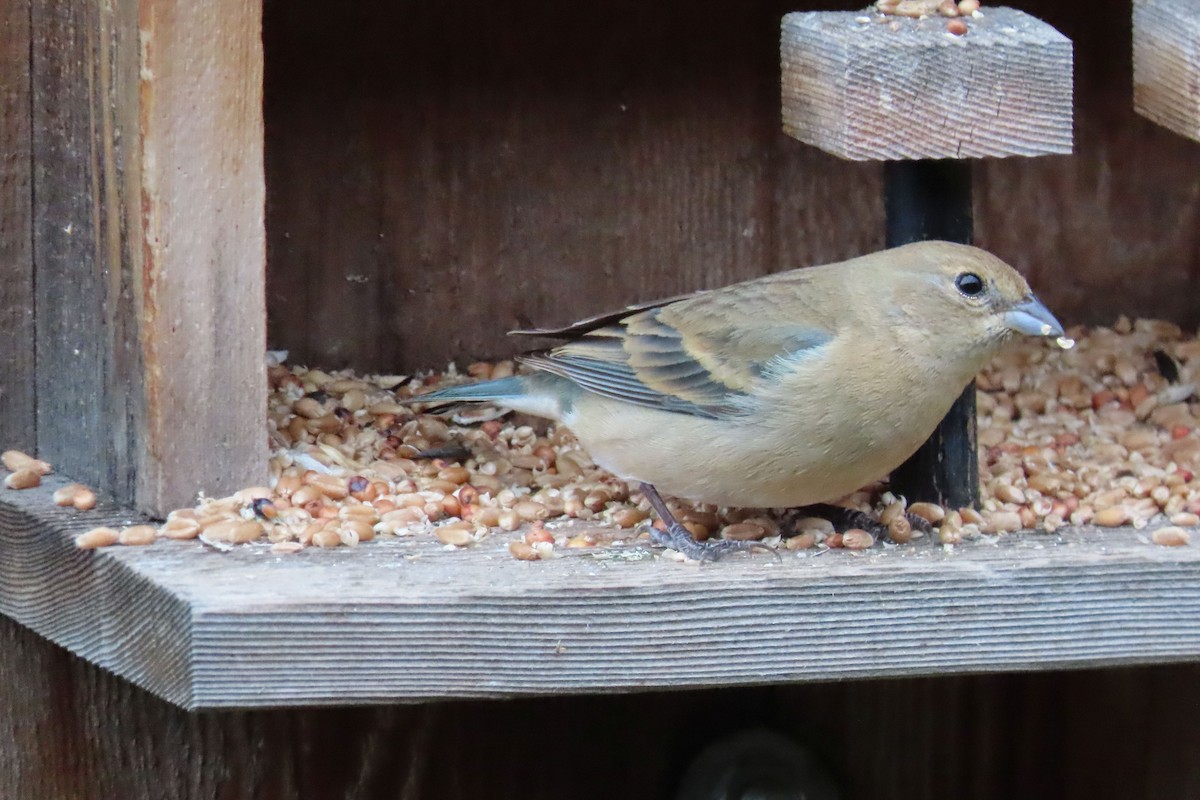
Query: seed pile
1102, 434
956, 12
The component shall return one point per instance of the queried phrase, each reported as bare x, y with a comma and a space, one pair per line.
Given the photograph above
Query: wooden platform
408, 620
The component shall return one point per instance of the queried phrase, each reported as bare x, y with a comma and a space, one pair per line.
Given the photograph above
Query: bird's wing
580, 327
691, 357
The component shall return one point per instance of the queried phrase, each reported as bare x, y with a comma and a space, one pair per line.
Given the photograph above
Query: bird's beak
1032, 318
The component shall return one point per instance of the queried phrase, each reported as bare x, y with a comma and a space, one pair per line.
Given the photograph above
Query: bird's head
970, 292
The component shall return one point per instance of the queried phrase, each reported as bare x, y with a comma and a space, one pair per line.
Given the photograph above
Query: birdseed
1104, 433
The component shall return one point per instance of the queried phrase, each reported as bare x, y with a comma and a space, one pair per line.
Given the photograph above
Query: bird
788, 390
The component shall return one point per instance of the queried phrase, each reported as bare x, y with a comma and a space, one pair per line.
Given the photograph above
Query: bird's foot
678, 538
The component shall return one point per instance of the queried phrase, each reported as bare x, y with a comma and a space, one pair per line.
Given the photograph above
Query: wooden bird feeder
869, 86
389, 186
1166, 64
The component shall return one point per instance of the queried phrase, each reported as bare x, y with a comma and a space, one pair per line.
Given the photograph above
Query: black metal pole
932, 200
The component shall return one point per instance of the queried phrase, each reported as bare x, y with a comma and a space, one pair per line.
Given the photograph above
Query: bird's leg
679, 538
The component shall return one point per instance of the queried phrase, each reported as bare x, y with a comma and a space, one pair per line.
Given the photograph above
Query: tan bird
788, 390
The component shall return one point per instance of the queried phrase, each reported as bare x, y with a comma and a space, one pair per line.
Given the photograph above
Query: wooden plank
407, 620
149, 242
86, 347
73, 730
1166, 64
900, 88
202, 283
17, 409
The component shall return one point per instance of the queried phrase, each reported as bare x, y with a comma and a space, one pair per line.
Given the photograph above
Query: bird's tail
541, 395
499, 390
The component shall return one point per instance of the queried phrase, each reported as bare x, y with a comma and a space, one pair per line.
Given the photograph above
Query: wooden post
865, 86
17, 404
149, 245
932, 200
1166, 63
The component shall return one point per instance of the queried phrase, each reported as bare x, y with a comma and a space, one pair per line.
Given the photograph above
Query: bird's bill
1032, 318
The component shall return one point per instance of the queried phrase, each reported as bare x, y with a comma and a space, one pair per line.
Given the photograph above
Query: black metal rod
932, 200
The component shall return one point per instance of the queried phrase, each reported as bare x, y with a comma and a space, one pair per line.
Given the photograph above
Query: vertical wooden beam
204, 271
149, 254
17, 415
929, 199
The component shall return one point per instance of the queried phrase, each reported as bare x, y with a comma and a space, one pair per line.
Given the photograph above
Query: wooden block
1166, 63
900, 88
149, 242
203, 301
406, 619
17, 409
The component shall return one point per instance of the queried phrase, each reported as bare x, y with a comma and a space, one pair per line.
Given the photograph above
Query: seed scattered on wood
138, 535
957, 27
181, 528
67, 496
97, 537
457, 534
801, 541
523, 551
857, 539
930, 512
15, 460
1171, 536
1111, 517
23, 478
744, 531
85, 499
900, 530
234, 531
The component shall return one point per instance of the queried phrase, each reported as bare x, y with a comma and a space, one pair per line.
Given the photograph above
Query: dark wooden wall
439, 173
70, 730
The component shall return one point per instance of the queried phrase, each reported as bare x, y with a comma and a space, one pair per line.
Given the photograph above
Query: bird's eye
969, 284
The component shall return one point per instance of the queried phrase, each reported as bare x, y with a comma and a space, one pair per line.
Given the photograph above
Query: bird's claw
678, 538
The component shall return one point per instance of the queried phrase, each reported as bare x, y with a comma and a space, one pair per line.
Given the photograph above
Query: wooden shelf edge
409, 621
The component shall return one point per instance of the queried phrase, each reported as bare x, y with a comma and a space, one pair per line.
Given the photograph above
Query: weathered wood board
149, 243
409, 620
71, 729
1166, 64
869, 87
18, 426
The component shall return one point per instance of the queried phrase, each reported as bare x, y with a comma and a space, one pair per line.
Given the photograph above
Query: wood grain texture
202, 282
17, 380
85, 166
70, 730
1166, 64
149, 246
470, 170
407, 620
902, 88
478, 167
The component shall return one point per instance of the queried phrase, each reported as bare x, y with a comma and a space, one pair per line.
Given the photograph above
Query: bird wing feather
691, 355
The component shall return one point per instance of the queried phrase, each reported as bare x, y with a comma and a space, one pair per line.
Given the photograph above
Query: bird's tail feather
500, 389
